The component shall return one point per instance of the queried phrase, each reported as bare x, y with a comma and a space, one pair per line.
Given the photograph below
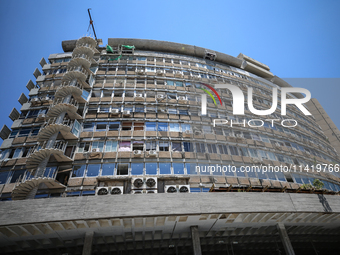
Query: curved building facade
105, 128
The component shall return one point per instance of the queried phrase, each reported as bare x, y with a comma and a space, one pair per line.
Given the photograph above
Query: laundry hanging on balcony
128, 47
109, 49
112, 59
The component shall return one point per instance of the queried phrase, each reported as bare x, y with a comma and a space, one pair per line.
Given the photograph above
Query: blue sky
296, 39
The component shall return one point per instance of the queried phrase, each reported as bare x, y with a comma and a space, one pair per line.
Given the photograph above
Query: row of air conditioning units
113, 190
177, 189
41, 99
144, 183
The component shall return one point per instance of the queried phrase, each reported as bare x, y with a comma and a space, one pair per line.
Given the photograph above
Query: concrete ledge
116, 206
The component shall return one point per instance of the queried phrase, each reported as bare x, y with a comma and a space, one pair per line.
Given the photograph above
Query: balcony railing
84, 56
61, 101
77, 69
66, 122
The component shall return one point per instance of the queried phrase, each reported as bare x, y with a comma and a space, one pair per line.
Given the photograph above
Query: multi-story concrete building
105, 128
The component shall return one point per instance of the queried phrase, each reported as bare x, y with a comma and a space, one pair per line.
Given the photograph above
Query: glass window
174, 127
262, 175
164, 168
88, 127
244, 151
111, 146
108, 169
150, 126
163, 146
18, 174
185, 127
24, 132
78, 171
253, 153
3, 177
191, 168
17, 152
271, 175
35, 131
183, 112
162, 126
187, 146
93, 170
49, 171
176, 146
178, 168
239, 173
137, 168
122, 169
151, 168
280, 176
251, 174
233, 150
14, 133
88, 193
101, 126
97, 146
150, 145
114, 126
179, 84
170, 83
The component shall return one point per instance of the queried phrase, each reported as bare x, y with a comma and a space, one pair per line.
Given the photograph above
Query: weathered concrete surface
96, 207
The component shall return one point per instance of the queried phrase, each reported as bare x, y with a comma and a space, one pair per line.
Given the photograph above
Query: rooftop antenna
91, 24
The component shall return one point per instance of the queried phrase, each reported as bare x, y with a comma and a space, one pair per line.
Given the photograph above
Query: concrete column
285, 239
196, 243
87, 248
32, 193
41, 168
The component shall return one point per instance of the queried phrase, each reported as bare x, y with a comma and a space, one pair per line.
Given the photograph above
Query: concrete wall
110, 206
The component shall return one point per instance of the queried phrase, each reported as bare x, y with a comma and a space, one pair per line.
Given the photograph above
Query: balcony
51, 127
42, 151
86, 41
80, 59
28, 182
76, 72
69, 88
59, 106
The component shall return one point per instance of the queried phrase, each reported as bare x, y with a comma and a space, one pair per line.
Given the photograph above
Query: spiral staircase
60, 119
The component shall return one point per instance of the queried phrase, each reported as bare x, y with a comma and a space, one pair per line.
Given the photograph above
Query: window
185, 127
88, 127
93, 170
17, 153
3, 177
176, 146
150, 145
24, 132
174, 127
138, 145
178, 168
233, 150
114, 126
108, 169
163, 146
253, 153
49, 171
239, 173
97, 146
75, 129
137, 168
138, 126
35, 131
200, 148
84, 147
162, 126
150, 126
122, 169
101, 126
151, 168
183, 112
187, 147
78, 171
207, 129
164, 168
124, 146
111, 146
14, 134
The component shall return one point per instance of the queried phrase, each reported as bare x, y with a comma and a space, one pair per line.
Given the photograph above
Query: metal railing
77, 69
48, 172
66, 122
58, 145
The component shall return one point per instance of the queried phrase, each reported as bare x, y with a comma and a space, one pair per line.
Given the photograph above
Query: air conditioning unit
198, 132
294, 149
308, 152
170, 189
184, 188
117, 190
160, 72
41, 115
160, 96
96, 150
151, 191
137, 183
137, 152
140, 71
178, 74
102, 191
151, 183
181, 98
114, 111
188, 132
277, 144
137, 191
126, 113
196, 77
139, 95
256, 160
239, 135
152, 153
